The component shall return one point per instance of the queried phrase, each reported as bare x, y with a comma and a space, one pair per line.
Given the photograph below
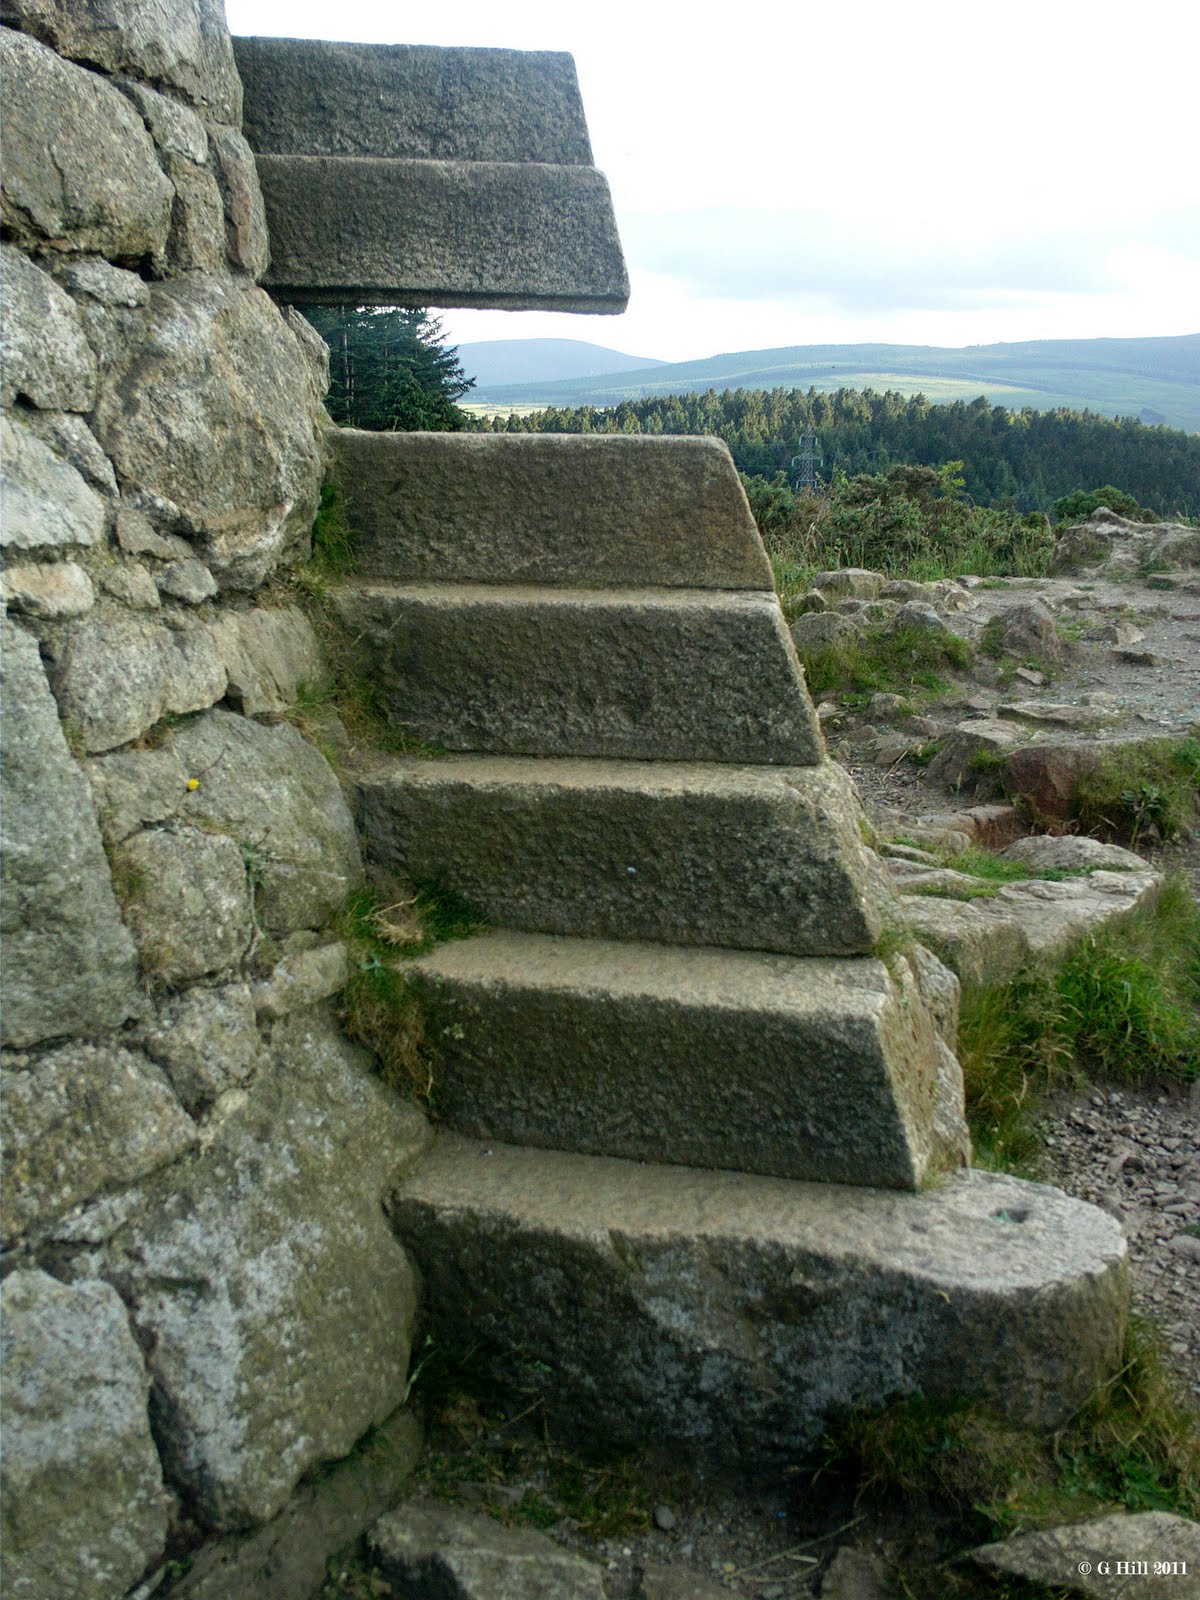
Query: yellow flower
193, 783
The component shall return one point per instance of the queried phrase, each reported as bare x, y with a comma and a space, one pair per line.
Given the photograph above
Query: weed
333, 554
957, 891
1151, 787
378, 1007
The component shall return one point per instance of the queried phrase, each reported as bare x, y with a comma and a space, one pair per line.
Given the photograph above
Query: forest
1015, 460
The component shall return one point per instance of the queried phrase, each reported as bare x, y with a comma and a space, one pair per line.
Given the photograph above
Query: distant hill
509, 361
1157, 380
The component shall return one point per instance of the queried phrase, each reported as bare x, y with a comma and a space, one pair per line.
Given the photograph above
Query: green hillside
1157, 380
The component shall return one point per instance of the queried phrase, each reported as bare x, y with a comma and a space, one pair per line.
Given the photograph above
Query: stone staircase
683, 1096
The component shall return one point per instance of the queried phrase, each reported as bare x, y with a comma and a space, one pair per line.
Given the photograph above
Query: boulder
207, 1042
181, 45
1118, 546
246, 240
302, 979
1072, 853
1025, 630
189, 581
78, 1122
439, 1552
117, 675
84, 1512
104, 190
44, 502
47, 359
1046, 776
823, 630
208, 411
971, 754
858, 583
1050, 714
266, 1284
68, 962
188, 901
918, 614
264, 786
1118, 1557
131, 584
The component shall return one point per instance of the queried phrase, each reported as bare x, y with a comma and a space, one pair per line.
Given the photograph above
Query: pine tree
389, 369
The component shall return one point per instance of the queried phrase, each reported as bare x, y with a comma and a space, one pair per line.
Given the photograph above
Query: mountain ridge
1156, 379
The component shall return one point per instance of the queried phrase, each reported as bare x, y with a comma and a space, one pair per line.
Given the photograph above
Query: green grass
1123, 1006
1146, 789
910, 661
377, 1008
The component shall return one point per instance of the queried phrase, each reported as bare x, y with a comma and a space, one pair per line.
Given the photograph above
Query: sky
941, 172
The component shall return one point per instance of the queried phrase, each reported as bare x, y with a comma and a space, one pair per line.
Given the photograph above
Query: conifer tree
389, 369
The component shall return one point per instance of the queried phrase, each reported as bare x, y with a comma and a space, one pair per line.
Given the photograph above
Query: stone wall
202, 1298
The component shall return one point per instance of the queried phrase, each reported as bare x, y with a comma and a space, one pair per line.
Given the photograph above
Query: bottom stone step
730, 1316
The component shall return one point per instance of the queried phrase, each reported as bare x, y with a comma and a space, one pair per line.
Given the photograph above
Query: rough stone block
115, 676
69, 965
52, 591
84, 1512
47, 359
188, 901
965, 761
44, 502
247, 243
268, 656
655, 674
728, 1316
181, 44
70, 437
437, 1550
207, 1042
288, 1557
277, 1307
263, 786
104, 190
516, 236
1151, 1555
548, 508
208, 411
307, 97
809, 1068
763, 858
81, 1120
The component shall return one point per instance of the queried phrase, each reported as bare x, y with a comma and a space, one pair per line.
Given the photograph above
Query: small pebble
664, 1518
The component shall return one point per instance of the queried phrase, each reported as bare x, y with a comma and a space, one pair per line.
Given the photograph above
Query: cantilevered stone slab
756, 858
729, 1315
808, 1068
667, 674
369, 231
311, 97
564, 508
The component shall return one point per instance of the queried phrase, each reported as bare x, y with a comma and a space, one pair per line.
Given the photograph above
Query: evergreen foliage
389, 370
1017, 460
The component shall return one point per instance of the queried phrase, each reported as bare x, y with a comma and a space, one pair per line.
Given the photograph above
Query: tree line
1018, 460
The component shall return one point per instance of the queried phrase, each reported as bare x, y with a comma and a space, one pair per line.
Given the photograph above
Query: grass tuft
910, 661
377, 1007
1149, 788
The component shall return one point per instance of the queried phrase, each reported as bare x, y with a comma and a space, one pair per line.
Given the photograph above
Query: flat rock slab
443, 1553
729, 1315
1111, 1558
987, 941
816, 1069
755, 858
507, 234
548, 508
647, 674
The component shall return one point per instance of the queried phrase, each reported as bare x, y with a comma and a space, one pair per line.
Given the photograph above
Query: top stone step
314, 97
548, 508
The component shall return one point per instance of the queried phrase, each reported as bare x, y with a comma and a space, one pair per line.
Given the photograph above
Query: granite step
646, 674
815, 1068
755, 858
729, 1316
575, 509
